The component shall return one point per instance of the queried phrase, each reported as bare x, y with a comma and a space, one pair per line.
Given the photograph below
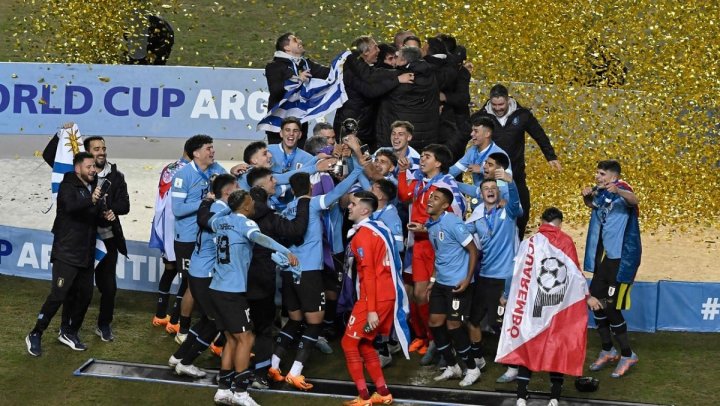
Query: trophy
349, 126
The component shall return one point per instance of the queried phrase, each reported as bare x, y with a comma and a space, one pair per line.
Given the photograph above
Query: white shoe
508, 376
553, 402
521, 402
451, 372
243, 399
385, 360
480, 362
223, 397
471, 376
189, 370
180, 338
173, 361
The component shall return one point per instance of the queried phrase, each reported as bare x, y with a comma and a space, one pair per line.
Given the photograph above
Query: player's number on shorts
223, 250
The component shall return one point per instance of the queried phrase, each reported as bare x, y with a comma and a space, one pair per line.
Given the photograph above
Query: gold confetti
104, 79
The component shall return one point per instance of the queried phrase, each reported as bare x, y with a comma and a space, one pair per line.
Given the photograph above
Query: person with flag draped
545, 309
73, 253
416, 189
289, 68
161, 237
612, 254
381, 300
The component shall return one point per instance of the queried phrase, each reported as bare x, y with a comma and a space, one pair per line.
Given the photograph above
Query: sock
296, 369
275, 362
285, 339
355, 365
372, 364
442, 342
383, 349
307, 342
522, 387
461, 342
330, 314
603, 328
205, 333
175, 313
184, 324
477, 350
225, 379
161, 310
620, 333
557, 384
220, 340
242, 380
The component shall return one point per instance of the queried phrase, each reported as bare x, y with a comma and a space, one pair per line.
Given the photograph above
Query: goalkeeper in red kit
381, 301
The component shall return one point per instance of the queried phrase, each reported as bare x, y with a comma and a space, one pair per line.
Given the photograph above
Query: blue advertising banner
125, 100
25, 252
689, 306
643, 311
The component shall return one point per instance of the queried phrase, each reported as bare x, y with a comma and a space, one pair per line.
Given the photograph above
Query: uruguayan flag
309, 100
69, 144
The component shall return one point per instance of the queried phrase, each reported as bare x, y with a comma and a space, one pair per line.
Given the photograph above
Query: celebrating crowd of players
371, 227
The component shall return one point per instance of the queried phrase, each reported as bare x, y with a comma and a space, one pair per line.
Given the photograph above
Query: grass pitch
674, 368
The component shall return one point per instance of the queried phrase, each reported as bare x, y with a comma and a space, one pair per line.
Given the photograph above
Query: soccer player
434, 164
375, 259
565, 349
189, 186
496, 230
400, 137
482, 147
450, 298
202, 333
612, 254
305, 300
236, 235
162, 237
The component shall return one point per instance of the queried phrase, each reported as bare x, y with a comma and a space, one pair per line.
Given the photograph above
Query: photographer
73, 253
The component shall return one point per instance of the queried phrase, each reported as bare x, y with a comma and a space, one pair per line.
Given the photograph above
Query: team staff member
612, 252
117, 200
450, 298
189, 186
372, 249
72, 255
512, 121
261, 283
236, 235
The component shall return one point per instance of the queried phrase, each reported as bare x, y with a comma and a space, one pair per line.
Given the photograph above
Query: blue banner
124, 100
25, 252
642, 314
689, 306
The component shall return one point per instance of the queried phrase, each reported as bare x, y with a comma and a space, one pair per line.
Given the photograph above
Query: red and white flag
546, 316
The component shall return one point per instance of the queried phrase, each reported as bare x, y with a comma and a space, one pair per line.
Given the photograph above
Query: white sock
275, 362
511, 372
296, 369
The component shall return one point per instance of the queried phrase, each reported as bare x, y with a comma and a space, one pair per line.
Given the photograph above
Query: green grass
674, 368
234, 33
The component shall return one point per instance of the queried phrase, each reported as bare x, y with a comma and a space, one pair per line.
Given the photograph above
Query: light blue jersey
496, 232
288, 164
310, 253
449, 236
204, 255
189, 187
236, 236
611, 211
474, 157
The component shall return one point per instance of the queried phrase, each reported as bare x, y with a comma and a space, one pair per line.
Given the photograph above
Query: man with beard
512, 121
289, 63
112, 183
73, 254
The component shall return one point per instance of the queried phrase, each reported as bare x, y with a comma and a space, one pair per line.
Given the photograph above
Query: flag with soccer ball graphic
545, 321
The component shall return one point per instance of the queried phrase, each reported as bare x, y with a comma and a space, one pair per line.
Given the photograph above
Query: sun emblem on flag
73, 140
